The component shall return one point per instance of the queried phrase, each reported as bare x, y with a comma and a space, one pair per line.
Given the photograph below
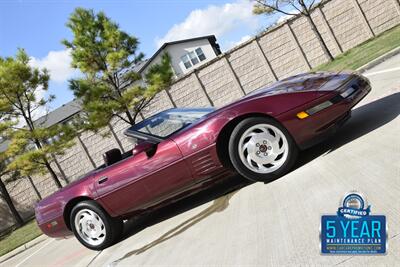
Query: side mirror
144, 146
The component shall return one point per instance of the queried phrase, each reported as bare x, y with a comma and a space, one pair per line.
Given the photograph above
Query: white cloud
42, 110
58, 63
284, 18
243, 39
219, 20
232, 44
287, 17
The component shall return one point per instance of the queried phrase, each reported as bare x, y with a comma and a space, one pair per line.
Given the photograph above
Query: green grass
19, 237
365, 52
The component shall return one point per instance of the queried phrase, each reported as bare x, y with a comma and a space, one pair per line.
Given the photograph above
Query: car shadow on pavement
220, 194
364, 119
218, 205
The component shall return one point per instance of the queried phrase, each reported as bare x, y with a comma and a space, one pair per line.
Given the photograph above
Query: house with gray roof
186, 55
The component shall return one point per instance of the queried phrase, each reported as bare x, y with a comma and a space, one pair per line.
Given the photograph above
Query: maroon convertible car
183, 151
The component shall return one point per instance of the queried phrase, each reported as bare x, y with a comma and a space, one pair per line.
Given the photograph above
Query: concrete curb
379, 60
22, 248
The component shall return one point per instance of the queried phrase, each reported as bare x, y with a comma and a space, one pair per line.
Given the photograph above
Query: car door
139, 180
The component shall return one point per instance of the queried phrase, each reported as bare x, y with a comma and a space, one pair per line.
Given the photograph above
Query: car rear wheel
93, 227
261, 149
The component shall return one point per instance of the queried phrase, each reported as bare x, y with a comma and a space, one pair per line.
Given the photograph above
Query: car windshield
170, 121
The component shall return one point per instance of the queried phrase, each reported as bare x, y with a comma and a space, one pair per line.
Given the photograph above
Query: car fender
206, 132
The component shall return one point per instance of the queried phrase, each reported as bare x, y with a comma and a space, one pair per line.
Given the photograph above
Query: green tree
31, 144
3, 190
6, 174
107, 57
302, 7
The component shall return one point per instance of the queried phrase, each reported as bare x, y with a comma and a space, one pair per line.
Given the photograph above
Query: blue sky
39, 26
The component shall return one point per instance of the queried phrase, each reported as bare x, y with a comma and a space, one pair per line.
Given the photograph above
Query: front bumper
322, 124
55, 228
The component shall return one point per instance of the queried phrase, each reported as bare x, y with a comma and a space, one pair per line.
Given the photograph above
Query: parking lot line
36, 251
381, 71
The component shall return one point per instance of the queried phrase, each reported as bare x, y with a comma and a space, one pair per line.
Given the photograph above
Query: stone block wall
195, 97
97, 143
308, 41
74, 162
381, 14
251, 67
346, 23
286, 49
119, 126
219, 82
24, 199
282, 52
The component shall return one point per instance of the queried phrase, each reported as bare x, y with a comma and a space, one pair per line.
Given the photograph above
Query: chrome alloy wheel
90, 227
263, 148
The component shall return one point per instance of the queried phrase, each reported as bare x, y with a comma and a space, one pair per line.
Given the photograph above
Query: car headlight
315, 109
348, 92
319, 107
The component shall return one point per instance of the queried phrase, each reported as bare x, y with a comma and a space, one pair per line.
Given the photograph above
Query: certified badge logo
353, 204
353, 230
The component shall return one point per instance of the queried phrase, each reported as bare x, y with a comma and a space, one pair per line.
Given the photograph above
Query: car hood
305, 82
313, 81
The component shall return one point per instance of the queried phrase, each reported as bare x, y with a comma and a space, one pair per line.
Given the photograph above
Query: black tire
113, 226
246, 172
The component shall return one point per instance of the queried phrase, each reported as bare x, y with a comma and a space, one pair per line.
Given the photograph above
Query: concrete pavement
276, 223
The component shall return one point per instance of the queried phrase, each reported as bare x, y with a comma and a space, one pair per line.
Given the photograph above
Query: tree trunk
48, 166
130, 118
53, 174
60, 169
34, 188
319, 37
10, 204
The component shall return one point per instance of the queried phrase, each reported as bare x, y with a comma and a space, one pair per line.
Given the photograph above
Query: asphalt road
275, 223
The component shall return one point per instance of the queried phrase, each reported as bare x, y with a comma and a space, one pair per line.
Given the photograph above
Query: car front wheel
261, 149
93, 227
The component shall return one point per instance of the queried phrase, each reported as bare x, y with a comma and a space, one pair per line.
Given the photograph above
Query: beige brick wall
325, 30
224, 79
98, 143
74, 162
282, 53
44, 182
24, 199
345, 23
159, 103
6, 219
250, 67
219, 83
23, 194
195, 97
119, 127
308, 41
381, 14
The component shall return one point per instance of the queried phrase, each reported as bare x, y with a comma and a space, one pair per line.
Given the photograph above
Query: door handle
102, 179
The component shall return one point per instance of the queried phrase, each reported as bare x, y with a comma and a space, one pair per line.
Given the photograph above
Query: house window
186, 61
200, 54
192, 58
